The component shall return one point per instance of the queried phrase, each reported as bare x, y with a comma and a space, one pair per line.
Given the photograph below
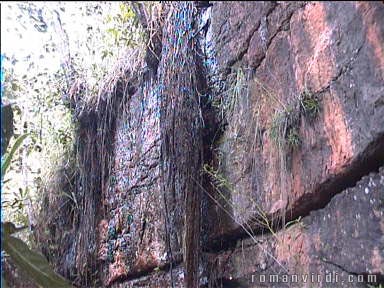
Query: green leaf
7, 129
33, 263
8, 157
8, 228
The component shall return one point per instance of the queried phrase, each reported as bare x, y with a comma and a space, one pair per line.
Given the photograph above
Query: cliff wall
250, 144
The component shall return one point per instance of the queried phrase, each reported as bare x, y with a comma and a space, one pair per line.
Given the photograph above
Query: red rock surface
306, 47
346, 237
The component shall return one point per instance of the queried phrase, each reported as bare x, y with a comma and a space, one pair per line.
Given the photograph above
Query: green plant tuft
226, 102
309, 103
284, 130
293, 138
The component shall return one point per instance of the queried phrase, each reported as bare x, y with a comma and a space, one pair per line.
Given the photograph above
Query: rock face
252, 148
307, 49
153, 198
339, 242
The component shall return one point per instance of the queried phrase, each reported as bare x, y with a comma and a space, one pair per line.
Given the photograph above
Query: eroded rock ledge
345, 237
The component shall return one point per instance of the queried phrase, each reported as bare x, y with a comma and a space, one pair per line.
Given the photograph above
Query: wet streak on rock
95, 162
181, 138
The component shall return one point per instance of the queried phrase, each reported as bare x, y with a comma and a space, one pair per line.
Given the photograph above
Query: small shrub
277, 125
310, 104
226, 102
293, 138
284, 130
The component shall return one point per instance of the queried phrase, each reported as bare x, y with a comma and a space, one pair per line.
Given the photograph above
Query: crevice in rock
247, 43
147, 272
279, 29
241, 54
226, 282
369, 160
342, 71
379, 277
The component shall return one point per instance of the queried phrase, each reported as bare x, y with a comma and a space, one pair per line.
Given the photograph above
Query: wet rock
153, 194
